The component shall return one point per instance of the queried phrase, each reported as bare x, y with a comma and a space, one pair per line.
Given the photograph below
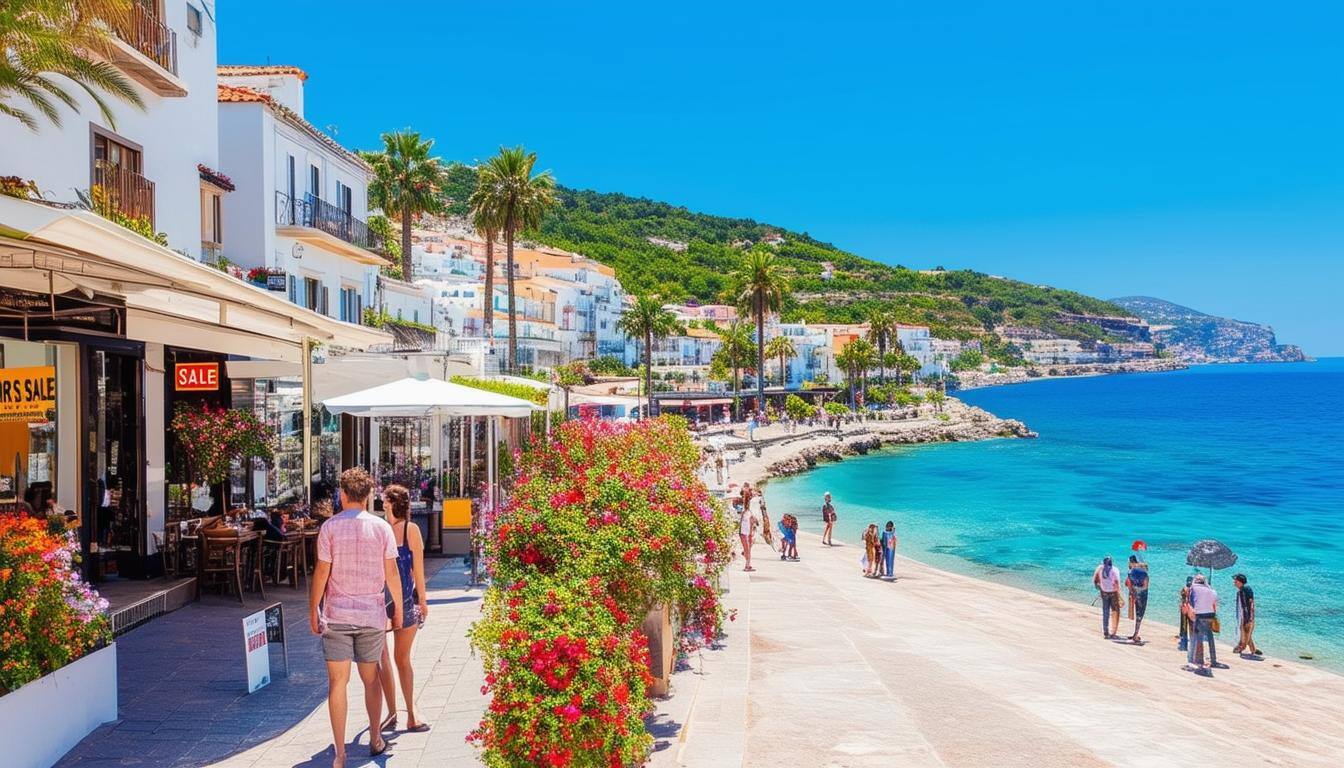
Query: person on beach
1137, 581
356, 562
872, 567
788, 532
889, 549
747, 523
1203, 612
1245, 617
828, 519
1107, 581
1183, 608
411, 568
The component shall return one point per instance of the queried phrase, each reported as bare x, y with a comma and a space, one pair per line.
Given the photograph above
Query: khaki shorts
347, 642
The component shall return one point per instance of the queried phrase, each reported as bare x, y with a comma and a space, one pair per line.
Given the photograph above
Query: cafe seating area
243, 552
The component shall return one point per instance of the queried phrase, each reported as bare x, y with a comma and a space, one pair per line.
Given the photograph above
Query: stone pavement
183, 699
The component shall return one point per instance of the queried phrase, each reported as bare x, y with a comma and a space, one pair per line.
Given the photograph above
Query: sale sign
196, 377
27, 394
256, 654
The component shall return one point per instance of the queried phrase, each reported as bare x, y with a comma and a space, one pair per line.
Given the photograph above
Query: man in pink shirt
356, 559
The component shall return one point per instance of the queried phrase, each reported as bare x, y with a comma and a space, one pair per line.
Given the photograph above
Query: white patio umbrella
436, 397
427, 397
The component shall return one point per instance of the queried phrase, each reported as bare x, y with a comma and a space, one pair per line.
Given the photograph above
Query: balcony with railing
122, 190
314, 219
146, 49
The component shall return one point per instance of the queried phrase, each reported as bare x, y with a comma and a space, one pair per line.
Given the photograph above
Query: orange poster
27, 394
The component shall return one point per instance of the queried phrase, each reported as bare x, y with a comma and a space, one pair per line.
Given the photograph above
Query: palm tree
761, 286
646, 319
519, 200
42, 39
857, 357
485, 220
405, 184
782, 348
736, 347
881, 327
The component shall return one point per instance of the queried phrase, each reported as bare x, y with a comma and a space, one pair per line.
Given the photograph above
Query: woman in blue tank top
411, 567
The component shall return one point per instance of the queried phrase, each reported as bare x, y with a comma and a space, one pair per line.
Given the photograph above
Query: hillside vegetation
615, 229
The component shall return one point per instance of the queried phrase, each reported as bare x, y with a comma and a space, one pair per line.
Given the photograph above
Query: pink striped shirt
357, 544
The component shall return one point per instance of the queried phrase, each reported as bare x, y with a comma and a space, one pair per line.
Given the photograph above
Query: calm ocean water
1252, 455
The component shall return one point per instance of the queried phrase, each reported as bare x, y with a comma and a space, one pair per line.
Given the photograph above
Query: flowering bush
48, 616
213, 437
258, 275
604, 522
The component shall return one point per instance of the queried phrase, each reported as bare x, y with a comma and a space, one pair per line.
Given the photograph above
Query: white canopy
428, 396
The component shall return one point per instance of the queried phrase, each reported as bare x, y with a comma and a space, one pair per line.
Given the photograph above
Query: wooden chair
221, 555
290, 558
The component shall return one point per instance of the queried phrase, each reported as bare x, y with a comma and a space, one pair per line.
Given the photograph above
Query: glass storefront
113, 483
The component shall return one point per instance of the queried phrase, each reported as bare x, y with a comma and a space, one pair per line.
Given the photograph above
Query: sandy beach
827, 668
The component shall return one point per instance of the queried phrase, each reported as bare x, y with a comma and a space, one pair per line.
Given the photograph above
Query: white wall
175, 132
249, 220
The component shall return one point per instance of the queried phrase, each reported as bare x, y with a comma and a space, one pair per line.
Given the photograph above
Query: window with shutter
293, 289
323, 310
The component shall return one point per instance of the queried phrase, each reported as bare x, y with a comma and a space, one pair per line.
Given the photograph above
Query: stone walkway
183, 699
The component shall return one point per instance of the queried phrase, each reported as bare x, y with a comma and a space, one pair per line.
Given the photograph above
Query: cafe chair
221, 555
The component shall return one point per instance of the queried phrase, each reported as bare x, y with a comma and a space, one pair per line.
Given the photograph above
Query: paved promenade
184, 700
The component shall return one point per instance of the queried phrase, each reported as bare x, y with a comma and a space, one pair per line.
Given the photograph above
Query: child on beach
788, 543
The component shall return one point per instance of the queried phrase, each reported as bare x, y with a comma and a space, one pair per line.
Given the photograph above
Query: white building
148, 160
917, 343
302, 202
411, 302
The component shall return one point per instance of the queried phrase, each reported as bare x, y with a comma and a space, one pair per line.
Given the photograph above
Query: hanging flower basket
212, 438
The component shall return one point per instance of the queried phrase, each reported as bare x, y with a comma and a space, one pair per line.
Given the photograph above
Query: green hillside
615, 229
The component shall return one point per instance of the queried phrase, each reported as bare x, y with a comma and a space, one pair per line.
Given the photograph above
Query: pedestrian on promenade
872, 566
1204, 610
1107, 581
788, 533
356, 562
828, 518
1137, 581
746, 526
1245, 617
889, 549
411, 569
1183, 608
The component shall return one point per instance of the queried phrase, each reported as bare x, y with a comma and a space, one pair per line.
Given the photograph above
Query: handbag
1216, 626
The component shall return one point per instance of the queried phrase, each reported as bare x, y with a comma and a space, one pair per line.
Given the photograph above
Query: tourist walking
356, 562
411, 570
872, 567
1204, 615
889, 549
1107, 581
788, 534
1245, 617
1138, 594
746, 527
827, 519
1184, 609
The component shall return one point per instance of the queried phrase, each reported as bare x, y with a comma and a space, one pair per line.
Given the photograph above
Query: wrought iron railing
125, 191
144, 31
311, 211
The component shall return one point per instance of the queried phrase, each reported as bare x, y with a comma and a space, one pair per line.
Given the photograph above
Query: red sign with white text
196, 377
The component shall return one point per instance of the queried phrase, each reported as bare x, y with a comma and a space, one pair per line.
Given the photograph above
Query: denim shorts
347, 642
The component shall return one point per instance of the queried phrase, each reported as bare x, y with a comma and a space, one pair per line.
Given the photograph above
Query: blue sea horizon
1251, 455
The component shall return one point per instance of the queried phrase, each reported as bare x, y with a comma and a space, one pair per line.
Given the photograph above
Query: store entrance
114, 519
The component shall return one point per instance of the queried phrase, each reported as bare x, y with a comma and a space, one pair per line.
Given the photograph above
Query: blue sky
1187, 150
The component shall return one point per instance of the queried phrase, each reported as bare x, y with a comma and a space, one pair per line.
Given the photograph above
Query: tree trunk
648, 373
406, 262
882, 361
513, 313
760, 354
737, 390
489, 303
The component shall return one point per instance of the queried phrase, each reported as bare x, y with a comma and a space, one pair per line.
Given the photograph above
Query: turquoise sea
1252, 455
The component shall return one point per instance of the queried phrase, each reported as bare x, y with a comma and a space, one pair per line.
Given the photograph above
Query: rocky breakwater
957, 422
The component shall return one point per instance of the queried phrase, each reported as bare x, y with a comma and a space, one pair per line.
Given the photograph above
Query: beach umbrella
1139, 546
1211, 554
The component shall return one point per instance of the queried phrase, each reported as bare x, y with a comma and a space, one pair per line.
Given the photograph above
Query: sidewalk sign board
256, 651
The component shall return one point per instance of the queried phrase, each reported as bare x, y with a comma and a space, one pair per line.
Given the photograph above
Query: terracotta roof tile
244, 70
230, 93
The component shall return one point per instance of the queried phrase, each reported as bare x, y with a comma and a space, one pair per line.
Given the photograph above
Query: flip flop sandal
390, 724
376, 752
418, 728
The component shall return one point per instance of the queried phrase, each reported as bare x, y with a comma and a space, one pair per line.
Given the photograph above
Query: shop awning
673, 402
169, 297
426, 397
